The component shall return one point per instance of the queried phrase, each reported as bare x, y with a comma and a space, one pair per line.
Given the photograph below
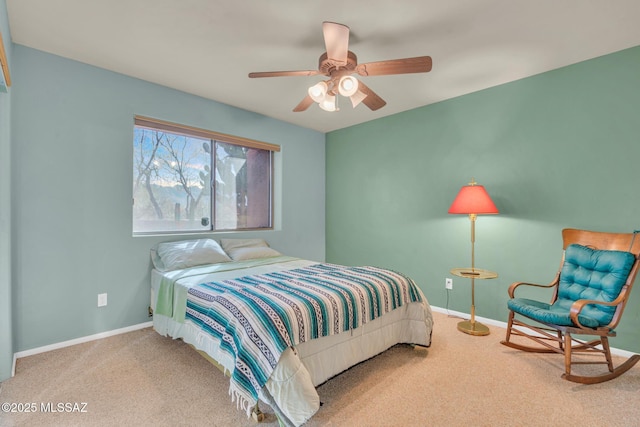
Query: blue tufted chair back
594, 275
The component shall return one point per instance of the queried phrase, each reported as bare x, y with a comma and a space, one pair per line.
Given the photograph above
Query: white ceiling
207, 47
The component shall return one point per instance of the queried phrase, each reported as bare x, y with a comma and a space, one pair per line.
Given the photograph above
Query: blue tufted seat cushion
586, 274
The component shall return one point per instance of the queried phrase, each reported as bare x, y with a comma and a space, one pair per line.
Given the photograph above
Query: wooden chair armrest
577, 307
514, 285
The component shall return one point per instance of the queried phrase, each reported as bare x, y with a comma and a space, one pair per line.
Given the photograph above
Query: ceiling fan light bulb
318, 91
348, 85
328, 103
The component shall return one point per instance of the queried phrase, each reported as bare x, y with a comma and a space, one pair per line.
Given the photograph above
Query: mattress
290, 389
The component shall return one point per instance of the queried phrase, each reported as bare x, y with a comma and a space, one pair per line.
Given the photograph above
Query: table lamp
473, 200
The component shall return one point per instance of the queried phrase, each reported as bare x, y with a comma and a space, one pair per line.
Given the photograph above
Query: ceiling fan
339, 63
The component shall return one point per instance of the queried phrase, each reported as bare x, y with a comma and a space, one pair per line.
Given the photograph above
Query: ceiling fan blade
336, 40
419, 64
304, 104
372, 100
284, 73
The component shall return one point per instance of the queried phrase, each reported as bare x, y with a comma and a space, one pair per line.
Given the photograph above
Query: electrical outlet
102, 300
448, 283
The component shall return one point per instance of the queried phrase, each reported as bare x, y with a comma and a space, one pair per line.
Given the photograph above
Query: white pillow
187, 253
242, 249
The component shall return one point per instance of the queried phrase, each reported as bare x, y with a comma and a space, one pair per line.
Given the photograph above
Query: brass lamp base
475, 328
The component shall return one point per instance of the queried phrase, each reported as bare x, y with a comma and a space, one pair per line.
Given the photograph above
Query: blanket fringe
242, 401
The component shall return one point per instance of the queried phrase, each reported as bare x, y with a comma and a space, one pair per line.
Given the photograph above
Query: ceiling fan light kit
324, 93
318, 91
348, 86
357, 98
329, 103
338, 63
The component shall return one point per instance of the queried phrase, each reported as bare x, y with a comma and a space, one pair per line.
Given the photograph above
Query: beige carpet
141, 378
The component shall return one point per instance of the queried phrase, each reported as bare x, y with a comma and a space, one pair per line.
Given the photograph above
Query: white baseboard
44, 349
503, 325
80, 340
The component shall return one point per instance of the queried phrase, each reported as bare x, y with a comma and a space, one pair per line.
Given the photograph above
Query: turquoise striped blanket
255, 318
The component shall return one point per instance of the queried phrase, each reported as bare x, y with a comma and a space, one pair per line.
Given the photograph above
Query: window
189, 180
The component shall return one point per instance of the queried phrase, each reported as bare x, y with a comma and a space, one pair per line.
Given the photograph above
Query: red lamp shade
473, 199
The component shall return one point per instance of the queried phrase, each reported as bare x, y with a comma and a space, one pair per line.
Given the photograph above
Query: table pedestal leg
472, 327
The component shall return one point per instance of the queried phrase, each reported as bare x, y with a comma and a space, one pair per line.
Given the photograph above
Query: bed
279, 326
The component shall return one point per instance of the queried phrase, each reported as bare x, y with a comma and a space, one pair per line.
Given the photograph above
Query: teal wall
6, 328
555, 150
72, 145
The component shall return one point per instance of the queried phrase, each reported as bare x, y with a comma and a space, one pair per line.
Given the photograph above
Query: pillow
242, 249
187, 253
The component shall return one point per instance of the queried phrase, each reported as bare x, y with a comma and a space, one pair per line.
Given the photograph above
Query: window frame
190, 131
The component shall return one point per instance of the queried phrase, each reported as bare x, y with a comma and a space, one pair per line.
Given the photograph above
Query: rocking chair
590, 292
